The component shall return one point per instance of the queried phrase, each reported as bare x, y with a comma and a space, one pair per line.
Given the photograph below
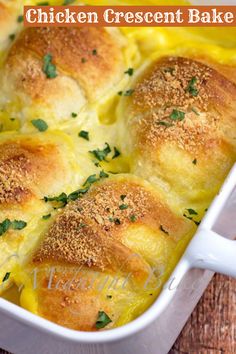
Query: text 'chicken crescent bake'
113, 143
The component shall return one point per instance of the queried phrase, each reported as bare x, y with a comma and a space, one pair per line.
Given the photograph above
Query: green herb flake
163, 230
116, 153
103, 174
192, 212
18, 224
120, 93
4, 226
48, 67
74, 115
83, 60
129, 72
68, 2
20, 18
84, 134
194, 161
122, 197
43, 3
94, 52
62, 198
46, 217
109, 296
191, 87
81, 226
6, 276
103, 320
40, 124
123, 206
101, 155
12, 36
90, 180
128, 92
133, 218
165, 124
177, 115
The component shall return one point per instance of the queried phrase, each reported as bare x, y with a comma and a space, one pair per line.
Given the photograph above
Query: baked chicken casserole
113, 143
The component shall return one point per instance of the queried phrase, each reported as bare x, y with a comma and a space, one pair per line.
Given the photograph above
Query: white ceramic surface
156, 330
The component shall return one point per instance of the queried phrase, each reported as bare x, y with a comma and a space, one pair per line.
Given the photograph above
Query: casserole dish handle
209, 250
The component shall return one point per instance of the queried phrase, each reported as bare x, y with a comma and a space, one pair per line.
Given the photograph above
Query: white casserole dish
156, 330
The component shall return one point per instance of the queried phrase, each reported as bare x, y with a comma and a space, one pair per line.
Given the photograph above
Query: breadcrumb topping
89, 231
187, 88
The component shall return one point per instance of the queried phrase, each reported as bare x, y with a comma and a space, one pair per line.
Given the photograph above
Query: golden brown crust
90, 56
165, 87
27, 167
70, 298
91, 231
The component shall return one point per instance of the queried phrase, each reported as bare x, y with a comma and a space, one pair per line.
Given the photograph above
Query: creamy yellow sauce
219, 44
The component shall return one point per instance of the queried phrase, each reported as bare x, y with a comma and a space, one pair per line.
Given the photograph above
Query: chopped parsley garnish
90, 180
20, 18
126, 93
123, 206
103, 174
191, 87
94, 52
40, 124
177, 115
15, 225
18, 224
195, 111
194, 161
44, 3
122, 197
6, 276
163, 230
74, 115
133, 218
12, 36
4, 226
109, 296
48, 67
83, 60
81, 225
46, 217
165, 124
130, 71
101, 155
116, 153
83, 134
192, 212
103, 320
68, 2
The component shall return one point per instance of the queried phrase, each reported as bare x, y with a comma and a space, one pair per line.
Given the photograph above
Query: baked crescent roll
9, 22
54, 73
179, 128
122, 227
31, 167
